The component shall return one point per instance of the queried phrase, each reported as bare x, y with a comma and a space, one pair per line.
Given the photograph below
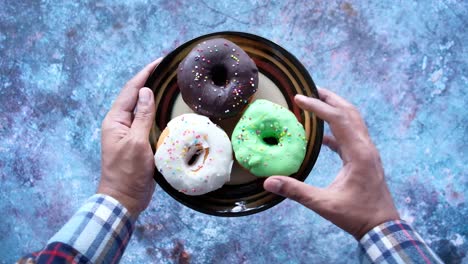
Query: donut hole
193, 154
193, 159
219, 75
272, 141
269, 136
196, 156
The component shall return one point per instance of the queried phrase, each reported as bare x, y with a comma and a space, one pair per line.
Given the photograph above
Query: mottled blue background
403, 63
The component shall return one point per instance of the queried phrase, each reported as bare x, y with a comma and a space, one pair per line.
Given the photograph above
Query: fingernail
158, 60
144, 96
274, 185
300, 97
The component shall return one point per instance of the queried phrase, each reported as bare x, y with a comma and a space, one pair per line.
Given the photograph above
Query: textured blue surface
405, 64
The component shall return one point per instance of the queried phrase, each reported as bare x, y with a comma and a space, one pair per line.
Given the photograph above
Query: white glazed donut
194, 155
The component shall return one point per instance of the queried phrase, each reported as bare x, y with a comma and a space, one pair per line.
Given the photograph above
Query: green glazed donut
268, 140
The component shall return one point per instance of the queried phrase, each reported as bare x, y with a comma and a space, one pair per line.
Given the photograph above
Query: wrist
130, 203
367, 228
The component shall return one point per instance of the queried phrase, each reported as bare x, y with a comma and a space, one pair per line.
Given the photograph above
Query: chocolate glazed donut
217, 79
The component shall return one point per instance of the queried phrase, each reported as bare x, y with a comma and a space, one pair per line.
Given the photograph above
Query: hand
358, 199
127, 158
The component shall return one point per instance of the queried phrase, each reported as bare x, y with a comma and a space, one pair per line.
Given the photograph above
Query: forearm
98, 232
395, 242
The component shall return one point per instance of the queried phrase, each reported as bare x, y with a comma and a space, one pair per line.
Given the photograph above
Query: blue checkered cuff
100, 230
395, 242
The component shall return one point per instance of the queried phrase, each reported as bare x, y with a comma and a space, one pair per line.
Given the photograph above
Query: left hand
127, 159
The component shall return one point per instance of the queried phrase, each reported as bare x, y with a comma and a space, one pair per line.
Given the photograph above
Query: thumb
307, 195
144, 115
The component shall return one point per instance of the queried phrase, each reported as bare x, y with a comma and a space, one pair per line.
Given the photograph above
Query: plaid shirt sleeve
395, 242
97, 233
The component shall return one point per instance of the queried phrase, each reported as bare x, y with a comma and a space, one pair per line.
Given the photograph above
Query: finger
333, 99
144, 115
298, 191
140, 78
330, 141
127, 98
321, 109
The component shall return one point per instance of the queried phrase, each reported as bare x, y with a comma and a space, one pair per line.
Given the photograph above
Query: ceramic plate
281, 76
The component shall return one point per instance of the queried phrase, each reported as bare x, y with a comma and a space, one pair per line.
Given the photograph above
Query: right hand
358, 199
